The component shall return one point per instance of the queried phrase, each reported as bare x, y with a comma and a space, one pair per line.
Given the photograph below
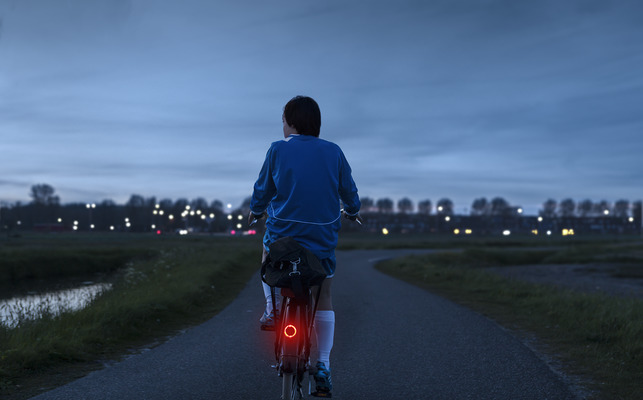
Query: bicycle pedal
267, 327
326, 395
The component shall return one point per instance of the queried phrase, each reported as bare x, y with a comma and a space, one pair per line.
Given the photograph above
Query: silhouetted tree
424, 207
549, 208
499, 206
216, 205
135, 201
368, 205
43, 194
384, 205
585, 208
166, 205
480, 206
150, 203
444, 206
637, 208
44, 206
106, 214
179, 206
405, 205
567, 208
135, 212
199, 204
602, 208
621, 208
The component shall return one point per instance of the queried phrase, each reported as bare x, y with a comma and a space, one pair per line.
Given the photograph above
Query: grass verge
593, 335
187, 281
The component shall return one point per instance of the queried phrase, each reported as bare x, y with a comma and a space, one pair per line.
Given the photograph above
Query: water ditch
34, 305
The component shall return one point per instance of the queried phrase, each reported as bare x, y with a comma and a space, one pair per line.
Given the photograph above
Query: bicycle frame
293, 330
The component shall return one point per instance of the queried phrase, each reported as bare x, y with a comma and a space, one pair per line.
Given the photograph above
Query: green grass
43, 257
594, 335
180, 282
165, 283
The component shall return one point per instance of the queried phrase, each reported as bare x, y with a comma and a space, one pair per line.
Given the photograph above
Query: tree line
143, 214
499, 206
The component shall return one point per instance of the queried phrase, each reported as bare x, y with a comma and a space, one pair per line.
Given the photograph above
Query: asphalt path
392, 341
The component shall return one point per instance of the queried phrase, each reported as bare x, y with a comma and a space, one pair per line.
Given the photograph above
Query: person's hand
253, 218
357, 218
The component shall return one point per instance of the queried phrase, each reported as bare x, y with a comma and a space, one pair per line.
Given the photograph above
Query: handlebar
254, 218
357, 218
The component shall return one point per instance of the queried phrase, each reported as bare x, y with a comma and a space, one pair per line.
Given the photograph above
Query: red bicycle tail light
290, 331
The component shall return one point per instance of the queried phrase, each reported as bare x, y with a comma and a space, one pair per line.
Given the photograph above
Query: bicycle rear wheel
291, 389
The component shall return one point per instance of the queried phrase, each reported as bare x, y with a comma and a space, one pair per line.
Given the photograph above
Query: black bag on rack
289, 265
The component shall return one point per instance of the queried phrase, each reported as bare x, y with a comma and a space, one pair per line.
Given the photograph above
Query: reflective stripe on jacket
300, 186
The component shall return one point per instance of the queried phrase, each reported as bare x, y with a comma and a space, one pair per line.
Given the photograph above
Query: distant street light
89, 208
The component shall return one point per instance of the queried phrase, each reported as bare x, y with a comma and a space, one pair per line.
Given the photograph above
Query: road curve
392, 341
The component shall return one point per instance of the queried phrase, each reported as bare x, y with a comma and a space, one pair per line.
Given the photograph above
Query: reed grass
187, 281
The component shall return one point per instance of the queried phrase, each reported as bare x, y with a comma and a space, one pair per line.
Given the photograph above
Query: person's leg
325, 329
266, 288
267, 319
325, 322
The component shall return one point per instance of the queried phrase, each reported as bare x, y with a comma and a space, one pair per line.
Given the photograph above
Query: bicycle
294, 326
293, 332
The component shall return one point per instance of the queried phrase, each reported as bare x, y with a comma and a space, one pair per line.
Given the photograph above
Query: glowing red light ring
292, 333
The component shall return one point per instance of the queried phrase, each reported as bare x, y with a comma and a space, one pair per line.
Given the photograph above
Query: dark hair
303, 114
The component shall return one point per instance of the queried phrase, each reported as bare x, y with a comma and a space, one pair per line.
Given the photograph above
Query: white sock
325, 330
266, 292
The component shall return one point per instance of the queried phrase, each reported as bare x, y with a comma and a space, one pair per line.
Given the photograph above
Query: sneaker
323, 382
267, 321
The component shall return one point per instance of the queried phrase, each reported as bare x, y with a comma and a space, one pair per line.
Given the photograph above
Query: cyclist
299, 188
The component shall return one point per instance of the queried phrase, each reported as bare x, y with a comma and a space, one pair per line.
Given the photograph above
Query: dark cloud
527, 100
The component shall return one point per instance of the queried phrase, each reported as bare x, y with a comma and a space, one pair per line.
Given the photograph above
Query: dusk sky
526, 100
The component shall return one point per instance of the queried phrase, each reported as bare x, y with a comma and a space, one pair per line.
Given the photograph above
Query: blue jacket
300, 186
